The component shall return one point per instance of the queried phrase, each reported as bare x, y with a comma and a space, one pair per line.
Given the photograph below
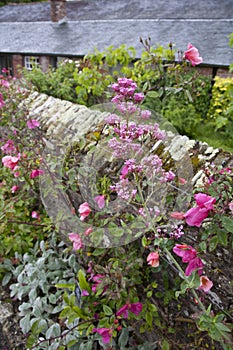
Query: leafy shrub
221, 108
34, 284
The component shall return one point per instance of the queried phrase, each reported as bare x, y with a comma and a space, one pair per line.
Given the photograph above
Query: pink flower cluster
11, 162
8, 147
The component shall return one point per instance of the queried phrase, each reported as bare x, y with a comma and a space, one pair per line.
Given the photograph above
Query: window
30, 62
6, 62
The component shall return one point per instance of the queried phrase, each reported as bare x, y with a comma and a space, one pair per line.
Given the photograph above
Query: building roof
26, 28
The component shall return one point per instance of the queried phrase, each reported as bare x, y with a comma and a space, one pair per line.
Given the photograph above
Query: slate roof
207, 24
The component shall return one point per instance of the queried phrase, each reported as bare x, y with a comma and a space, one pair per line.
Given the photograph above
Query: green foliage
220, 114
35, 276
18, 230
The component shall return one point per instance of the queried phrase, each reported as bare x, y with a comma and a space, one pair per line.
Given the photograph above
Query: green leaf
6, 278
149, 318
223, 237
213, 243
66, 312
227, 223
165, 345
107, 310
53, 331
82, 281
31, 340
25, 324
123, 338
70, 286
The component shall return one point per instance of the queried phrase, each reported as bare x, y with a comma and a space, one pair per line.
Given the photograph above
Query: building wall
17, 64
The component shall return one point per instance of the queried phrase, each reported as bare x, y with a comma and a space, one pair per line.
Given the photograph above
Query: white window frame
31, 61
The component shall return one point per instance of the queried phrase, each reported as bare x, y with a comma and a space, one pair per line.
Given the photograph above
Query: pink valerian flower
145, 114
153, 259
106, 334
84, 210
32, 124
100, 200
192, 55
8, 147
77, 241
113, 119
135, 308
138, 97
36, 172
189, 255
177, 231
124, 148
124, 189
11, 162
206, 284
14, 189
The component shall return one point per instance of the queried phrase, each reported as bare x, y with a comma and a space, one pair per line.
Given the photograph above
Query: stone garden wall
63, 120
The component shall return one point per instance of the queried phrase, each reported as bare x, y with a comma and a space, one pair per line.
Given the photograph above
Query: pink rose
76, 239
192, 55
84, 210
14, 189
36, 173
10, 162
153, 259
35, 215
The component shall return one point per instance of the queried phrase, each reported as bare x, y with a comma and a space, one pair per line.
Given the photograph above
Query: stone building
43, 33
